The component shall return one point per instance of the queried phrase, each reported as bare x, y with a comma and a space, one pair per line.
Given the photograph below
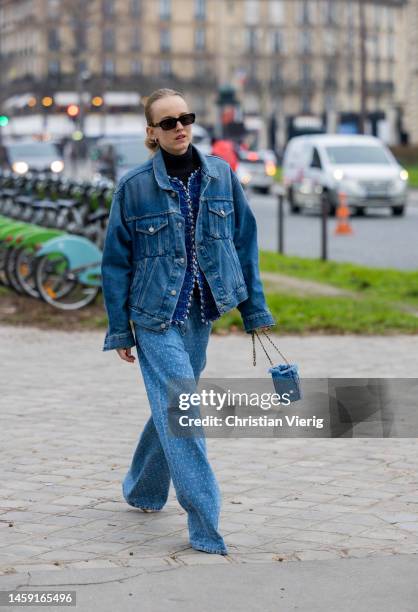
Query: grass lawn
381, 301
413, 175
376, 301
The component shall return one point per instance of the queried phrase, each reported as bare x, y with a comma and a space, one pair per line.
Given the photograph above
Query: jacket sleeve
116, 276
254, 310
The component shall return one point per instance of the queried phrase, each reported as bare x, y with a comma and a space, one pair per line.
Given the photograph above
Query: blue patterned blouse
194, 277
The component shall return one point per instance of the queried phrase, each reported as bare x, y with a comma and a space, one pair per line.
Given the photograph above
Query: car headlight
338, 174
57, 166
270, 168
20, 167
403, 174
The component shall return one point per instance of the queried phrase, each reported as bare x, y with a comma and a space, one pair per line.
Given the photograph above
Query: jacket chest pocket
153, 238
220, 218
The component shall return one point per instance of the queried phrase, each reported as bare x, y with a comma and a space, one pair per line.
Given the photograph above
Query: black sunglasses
170, 122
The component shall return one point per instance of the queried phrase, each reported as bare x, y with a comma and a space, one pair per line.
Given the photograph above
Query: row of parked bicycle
51, 237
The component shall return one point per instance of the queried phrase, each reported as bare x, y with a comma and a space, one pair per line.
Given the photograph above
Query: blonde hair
164, 92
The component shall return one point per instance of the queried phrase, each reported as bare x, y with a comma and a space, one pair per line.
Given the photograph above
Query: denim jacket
144, 254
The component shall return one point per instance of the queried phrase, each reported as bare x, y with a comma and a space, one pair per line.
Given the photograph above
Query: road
378, 239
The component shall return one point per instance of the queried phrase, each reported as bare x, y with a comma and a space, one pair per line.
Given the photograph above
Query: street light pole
79, 17
363, 62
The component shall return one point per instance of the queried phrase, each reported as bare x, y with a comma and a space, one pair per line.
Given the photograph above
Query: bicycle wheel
59, 286
25, 271
3, 253
10, 269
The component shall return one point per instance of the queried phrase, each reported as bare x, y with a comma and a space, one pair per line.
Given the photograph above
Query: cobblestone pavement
71, 416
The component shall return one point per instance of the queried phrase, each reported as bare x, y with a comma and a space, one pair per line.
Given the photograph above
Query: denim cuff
114, 341
258, 319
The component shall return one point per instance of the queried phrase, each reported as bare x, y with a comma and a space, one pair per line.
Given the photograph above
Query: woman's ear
150, 133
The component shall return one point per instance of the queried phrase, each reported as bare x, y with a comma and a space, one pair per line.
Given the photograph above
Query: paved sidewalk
71, 415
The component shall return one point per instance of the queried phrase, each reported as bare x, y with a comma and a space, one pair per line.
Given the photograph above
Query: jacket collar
160, 172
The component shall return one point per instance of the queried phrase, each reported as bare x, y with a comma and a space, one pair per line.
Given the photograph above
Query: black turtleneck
182, 165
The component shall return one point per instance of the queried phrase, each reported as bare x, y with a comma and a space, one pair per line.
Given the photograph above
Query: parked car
256, 169
22, 157
113, 157
326, 165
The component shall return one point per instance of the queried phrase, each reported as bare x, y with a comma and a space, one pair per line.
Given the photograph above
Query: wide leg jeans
160, 456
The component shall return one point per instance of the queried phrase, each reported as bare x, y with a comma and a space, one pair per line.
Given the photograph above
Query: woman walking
180, 250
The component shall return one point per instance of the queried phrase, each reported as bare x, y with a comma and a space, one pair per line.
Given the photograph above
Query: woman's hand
261, 329
125, 354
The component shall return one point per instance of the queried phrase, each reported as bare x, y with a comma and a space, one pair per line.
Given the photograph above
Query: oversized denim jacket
144, 254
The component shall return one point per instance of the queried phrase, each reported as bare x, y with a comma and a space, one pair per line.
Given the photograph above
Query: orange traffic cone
343, 213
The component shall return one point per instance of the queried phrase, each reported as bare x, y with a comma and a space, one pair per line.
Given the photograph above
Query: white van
325, 165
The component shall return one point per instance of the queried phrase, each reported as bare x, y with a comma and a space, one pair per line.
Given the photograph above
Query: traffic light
73, 111
97, 101
47, 101
4, 120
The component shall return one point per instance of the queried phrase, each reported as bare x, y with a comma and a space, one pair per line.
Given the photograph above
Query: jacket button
181, 259
223, 213
179, 223
173, 194
151, 229
162, 325
173, 292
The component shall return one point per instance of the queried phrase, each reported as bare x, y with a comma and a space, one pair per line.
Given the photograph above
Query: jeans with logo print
179, 353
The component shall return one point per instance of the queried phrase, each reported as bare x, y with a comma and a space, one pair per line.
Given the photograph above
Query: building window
109, 67
108, 8
276, 41
350, 15
252, 72
135, 8
80, 37
136, 67
108, 39
82, 67
305, 42
53, 8
251, 11
136, 40
54, 68
304, 16
165, 68
165, 40
199, 39
331, 12
391, 46
329, 42
53, 40
378, 15
251, 40
305, 72
165, 9
276, 73
200, 9
276, 12
390, 18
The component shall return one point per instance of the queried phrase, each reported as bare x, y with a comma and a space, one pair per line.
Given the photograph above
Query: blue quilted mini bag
285, 375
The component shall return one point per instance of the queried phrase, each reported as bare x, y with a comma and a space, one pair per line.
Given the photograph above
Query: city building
293, 63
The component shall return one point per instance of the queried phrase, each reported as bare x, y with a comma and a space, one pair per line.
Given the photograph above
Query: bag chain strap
264, 349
